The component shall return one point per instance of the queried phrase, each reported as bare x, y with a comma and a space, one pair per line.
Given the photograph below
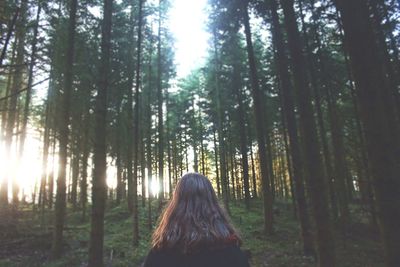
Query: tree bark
216, 164
135, 217
160, 112
28, 94
288, 106
13, 105
9, 33
63, 123
84, 165
258, 111
377, 114
99, 184
220, 122
316, 183
243, 137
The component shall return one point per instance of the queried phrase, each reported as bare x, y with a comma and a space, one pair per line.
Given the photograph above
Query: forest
294, 116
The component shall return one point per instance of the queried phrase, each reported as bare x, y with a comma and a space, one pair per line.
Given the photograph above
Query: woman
194, 230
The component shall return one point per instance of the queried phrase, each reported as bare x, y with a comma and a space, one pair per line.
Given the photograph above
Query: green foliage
282, 249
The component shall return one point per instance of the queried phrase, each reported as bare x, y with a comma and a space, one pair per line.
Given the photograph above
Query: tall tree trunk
377, 114
202, 151
270, 158
160, 112
4, 102
169, 155
243, 137
130, 115
288, 110
220, 122
28, 95
9, 33
51, 176
148, 138
392, 79
75, 176
149, 175
143, 164
84, 165
118, 149
339, 161
253, 167
231, 158
287, 152
63, 135
340, 164
259, 118
12, 108
216, 164
46, 148
135, 236
314, 166
4, 134
120, 183
363, 154
321, 128
99, 184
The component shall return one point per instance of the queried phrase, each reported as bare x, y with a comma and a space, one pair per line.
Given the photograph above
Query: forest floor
28, 244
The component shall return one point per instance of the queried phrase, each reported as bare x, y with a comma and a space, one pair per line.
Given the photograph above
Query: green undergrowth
360, 248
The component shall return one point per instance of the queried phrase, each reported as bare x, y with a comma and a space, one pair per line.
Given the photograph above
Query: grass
360, 248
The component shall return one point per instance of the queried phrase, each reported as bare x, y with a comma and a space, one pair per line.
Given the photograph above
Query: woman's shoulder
231, 256
234, 254
156, 256
162, 257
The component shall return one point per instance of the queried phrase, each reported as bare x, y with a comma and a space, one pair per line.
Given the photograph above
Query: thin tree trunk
270, 159
216, 164
99, 184
45, 154
28, 94
9, 33
118, 149
12, 108
331, 177
258, 111
231, 158
253, 167
75, 173
314, 165
289, 113
51, 176
84, 165
4, 102
220, 122
143, 166
130, 115
135, 236
160, 112
63, 123
148, 139
392, 79
340, 169
170, 173
243, 137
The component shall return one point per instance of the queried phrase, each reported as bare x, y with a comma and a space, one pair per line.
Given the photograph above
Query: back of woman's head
193, 219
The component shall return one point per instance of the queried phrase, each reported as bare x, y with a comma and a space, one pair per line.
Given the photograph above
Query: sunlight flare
155, 186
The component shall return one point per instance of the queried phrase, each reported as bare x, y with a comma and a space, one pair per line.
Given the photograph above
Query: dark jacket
230, 256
